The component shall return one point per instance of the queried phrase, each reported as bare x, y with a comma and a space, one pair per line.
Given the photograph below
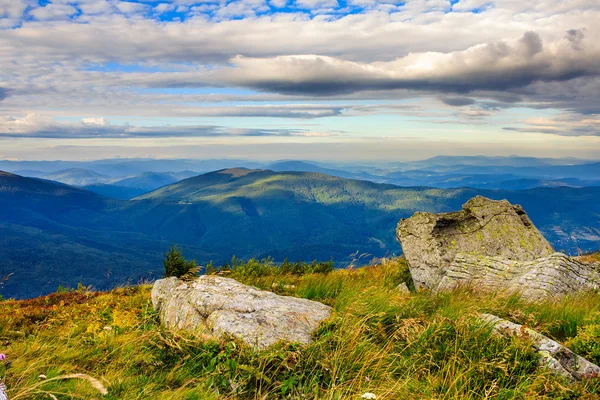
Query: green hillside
52, 234
417, 346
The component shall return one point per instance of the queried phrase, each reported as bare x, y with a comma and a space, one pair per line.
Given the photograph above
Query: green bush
176, 265
587, 343
254, 268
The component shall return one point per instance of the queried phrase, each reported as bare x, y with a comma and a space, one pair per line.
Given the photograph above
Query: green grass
422, 346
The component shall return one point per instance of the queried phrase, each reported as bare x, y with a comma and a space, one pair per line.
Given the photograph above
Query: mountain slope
77, 177
569, 217
301, 166
52, 234
153, 180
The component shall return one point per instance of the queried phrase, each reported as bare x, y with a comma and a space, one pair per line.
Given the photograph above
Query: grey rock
219, 306
553, 276
553, 355
484, 227
403, 289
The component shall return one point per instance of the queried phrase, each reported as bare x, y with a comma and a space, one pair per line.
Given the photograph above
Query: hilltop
380, 341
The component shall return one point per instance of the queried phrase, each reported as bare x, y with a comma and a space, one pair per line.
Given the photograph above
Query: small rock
403, 289
553, 355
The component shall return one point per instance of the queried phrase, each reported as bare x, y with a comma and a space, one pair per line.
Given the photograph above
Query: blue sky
299, 78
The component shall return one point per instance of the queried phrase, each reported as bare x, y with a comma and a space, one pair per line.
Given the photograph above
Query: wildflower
370, 396
2, 356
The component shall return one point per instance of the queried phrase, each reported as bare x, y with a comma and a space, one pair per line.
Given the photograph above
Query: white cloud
95, 121
53, 12
96, 7
278, 3
14, 8
131, 8
163, 8
469, 5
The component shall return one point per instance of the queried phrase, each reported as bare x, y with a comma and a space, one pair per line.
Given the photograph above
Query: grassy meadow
79, 344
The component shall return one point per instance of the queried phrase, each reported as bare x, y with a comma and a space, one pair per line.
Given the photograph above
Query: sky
338, 80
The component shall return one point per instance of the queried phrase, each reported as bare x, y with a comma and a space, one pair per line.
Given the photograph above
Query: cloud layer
152, 67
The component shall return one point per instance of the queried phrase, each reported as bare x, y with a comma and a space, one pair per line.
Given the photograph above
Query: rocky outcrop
484, 228
556, 357
220, 306
553, 276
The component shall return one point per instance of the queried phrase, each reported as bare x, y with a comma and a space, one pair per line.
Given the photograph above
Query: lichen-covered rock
220, 306
484, 227
553, 276
556, 357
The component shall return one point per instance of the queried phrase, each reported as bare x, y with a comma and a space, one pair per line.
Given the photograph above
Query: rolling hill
52, 234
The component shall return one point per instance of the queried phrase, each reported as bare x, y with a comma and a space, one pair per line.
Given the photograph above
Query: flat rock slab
484, 227
553, 355
553, 276
220, 306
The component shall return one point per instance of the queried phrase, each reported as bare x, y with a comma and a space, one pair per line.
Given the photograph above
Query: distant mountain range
52, 234
109, 186
128, 178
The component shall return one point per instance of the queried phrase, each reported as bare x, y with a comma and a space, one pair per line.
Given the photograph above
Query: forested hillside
52, 234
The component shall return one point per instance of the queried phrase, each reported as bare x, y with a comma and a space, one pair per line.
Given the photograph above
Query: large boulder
483, 228
220, 306
553, 276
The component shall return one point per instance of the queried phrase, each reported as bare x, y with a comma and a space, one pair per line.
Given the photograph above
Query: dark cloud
458, 101
575, 37
531, 43
496, 67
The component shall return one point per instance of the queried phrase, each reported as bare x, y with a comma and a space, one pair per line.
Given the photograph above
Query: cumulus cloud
470, 5
14, 8
131, 8
278, 3
495, 66
53, 11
